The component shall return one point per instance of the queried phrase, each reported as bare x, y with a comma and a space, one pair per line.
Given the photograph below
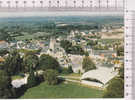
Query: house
2, 59
3, 44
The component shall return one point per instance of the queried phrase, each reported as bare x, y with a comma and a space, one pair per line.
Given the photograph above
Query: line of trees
16, 64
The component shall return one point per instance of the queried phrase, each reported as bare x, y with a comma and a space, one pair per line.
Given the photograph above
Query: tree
50, 76
5, 80
13, 63
70, 49
3, 52
30, 61
88, 64
31, 79
115, 89
48, 62
4, 35
65, 43
66, 70
6, 90
92, 43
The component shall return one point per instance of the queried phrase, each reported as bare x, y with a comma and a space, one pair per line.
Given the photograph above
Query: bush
50, 76
88, 64
115, 89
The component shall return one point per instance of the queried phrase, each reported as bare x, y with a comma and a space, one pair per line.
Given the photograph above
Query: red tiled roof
2, 59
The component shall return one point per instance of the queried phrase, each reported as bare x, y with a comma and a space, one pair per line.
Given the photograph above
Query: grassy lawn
69, 90
75, 75
72, 74
16, 77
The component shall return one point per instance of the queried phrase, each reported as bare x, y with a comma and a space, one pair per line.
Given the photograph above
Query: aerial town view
60, 56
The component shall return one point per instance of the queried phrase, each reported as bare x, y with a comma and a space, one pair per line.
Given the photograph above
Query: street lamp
58, 2
0, 3
49, 3
99, 3
82, 3
116, 4
8, 2
16, 2
66, 3
33, 2
107, 3
74, 3
24, 2
91, 4
41, 3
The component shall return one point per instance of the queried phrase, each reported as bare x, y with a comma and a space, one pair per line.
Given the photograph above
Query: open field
69, 90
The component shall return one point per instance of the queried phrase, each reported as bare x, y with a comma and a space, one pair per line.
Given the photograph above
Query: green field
16, 77
69, 90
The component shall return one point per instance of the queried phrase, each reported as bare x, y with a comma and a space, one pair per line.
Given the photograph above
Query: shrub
50, 76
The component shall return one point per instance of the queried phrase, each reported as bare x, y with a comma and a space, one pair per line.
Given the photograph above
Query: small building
3, 44
2, 59
106, 53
